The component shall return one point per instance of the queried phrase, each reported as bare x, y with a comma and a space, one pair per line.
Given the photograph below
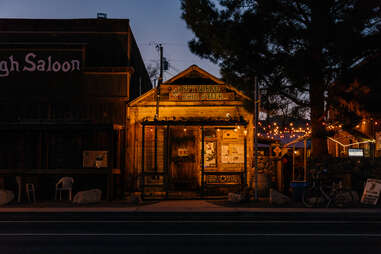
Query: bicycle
325, 195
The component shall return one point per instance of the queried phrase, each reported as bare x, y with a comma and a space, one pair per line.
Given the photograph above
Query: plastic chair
66, 185
30, 188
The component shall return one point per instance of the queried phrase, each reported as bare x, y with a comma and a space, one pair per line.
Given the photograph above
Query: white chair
64, 184
29, 188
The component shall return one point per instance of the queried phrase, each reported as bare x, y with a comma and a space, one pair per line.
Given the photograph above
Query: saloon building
192, 136
65, 85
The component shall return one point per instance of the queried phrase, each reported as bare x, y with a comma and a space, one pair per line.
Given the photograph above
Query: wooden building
191, 136
65, 85
355, 113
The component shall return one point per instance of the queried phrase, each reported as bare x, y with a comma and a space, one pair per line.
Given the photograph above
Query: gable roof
193, 75
193, 72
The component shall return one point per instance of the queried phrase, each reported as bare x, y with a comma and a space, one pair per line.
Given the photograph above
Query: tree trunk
319, 23
319, 140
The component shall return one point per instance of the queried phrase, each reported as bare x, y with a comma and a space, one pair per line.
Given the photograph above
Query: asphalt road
113, 233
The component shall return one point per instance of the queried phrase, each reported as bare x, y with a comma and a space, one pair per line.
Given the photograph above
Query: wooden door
183, 159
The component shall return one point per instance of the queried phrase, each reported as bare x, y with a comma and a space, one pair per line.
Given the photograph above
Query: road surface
187, 233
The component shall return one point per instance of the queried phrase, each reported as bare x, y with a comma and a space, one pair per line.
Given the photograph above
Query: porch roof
202, 122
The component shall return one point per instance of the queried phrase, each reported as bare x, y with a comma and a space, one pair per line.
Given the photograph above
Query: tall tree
293, 47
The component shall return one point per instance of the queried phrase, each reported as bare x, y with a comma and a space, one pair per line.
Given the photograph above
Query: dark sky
151, 21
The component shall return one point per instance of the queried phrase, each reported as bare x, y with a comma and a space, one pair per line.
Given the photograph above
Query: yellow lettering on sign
199, 89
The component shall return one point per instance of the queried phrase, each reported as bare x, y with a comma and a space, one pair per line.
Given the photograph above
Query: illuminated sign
356, 152
33, 63
200, 93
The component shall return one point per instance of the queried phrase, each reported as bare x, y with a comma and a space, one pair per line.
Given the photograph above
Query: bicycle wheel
311, 198
343, 199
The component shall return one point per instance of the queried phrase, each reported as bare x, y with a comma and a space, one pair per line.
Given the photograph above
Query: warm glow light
274, 131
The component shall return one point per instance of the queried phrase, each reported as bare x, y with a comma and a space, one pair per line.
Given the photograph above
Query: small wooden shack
354, 113
193, 135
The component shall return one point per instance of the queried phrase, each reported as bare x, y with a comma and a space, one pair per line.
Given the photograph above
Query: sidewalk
183, 206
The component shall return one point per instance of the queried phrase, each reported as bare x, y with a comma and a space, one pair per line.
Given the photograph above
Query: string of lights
274, 131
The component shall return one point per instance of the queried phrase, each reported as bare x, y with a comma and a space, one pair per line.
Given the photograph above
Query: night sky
151, 21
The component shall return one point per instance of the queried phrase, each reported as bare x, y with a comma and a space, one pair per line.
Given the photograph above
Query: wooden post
244, 180
167, 162
305, 160
256, 138
111, 166
39, 150
142, 176
118, 157
293, 163
202, 159
47, 140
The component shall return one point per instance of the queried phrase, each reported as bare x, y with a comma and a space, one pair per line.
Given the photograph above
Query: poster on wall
378, 140
210, 155
95, 159
232, 153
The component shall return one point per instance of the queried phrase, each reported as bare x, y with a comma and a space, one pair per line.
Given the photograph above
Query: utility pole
161, 64
160, 80
160, 47
256, 101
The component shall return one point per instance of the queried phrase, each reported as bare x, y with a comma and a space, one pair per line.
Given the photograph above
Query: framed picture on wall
232, 153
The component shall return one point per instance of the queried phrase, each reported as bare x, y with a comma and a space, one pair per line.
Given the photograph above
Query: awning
347, 138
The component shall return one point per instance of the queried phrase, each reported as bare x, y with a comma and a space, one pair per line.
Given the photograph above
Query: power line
170, 73
174, 68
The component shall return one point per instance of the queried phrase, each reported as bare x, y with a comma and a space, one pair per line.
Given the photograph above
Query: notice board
371, 192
